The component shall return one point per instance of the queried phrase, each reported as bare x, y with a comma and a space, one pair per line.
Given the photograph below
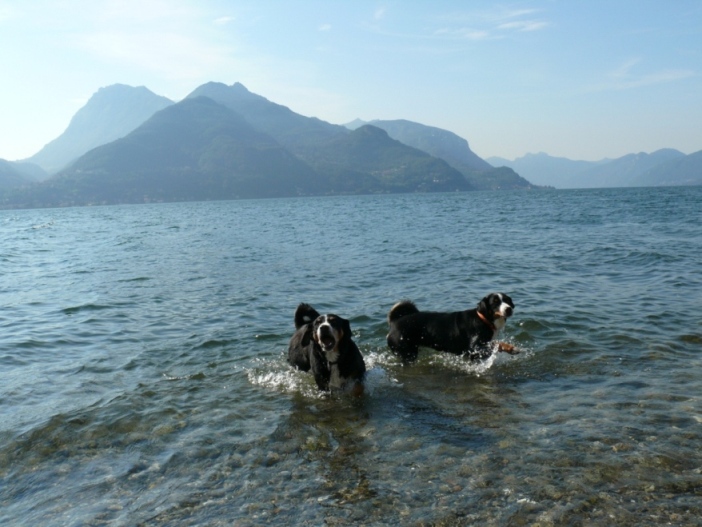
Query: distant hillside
193, 150
626, 171
10, 177
392, 166
677, 171
435, 141
16, 174
110, 113
451, 148
301, 135
351, 161
542, 169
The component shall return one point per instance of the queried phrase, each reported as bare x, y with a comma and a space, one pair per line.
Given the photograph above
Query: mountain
199, 149
110, 113
626, 170
559, 172
349, 159
435, 141
685, 170
545, 170
10, 177
369, 160
303, 136
194, 150
16, 174
451, 148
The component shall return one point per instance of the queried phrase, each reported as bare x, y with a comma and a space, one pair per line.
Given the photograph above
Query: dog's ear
307, 336
484, 305
347, 328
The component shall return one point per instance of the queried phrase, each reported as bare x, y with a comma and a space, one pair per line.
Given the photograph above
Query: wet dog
322, 344
461, 332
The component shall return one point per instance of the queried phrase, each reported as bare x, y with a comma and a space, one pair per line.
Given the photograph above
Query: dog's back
402, 309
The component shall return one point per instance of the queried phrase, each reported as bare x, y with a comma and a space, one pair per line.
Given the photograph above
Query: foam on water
277, 375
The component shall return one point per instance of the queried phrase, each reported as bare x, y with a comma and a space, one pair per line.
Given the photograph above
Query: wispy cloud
491, 24
224, 20
627, 77
523, 25
324, 27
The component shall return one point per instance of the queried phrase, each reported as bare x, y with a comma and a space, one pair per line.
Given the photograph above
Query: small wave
275, 375
278, 375
44, 225
85, 307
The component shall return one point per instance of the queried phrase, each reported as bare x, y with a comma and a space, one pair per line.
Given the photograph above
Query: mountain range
451, 148
662, 167
129, 145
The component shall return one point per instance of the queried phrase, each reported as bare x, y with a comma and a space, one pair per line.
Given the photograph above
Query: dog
461, 332
323, 344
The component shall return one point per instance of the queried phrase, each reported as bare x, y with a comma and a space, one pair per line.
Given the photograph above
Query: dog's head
328, 331
497, 308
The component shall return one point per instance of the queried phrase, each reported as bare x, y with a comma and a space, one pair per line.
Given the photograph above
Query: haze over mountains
129, 145
111, 113
662, 167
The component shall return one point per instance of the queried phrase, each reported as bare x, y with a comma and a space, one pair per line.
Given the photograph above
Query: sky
582, 79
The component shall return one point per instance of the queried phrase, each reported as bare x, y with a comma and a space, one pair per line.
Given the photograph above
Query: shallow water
144, 381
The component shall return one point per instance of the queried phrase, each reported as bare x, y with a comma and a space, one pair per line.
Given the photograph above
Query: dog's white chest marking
333, 356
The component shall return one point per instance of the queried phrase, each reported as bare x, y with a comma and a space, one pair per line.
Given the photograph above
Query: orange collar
482, 317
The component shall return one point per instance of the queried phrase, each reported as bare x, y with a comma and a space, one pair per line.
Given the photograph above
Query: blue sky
578, 79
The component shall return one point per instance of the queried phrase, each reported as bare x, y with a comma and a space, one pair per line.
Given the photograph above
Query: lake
143, 373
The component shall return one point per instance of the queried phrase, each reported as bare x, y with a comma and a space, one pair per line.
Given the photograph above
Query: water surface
143, 377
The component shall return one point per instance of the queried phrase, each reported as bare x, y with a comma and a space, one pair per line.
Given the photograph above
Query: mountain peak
112, 112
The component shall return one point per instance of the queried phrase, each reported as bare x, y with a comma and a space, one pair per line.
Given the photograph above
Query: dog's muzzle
504, 312
326, 337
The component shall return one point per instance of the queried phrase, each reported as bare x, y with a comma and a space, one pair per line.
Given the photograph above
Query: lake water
143, 378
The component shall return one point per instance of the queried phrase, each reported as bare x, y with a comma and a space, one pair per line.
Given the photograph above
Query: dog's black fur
461, 332
323, 344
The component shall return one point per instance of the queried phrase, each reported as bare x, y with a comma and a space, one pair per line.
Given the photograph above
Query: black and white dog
461, 332
322, 343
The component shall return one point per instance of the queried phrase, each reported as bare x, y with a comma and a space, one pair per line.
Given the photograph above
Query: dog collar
490, 324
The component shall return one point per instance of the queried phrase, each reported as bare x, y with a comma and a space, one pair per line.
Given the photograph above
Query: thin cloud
523, 25
464, 33
493, 24
625, 77
325, 27
224, 20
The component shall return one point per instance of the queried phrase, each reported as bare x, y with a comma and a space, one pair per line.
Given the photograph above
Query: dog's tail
401, 309
304, 314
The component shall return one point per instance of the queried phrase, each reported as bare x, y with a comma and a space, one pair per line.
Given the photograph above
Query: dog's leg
321, 372
407, 352
357, 390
